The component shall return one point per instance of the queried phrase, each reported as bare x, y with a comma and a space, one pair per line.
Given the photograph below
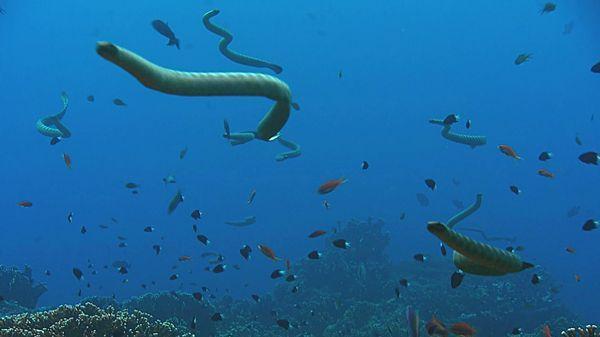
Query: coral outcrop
18, 286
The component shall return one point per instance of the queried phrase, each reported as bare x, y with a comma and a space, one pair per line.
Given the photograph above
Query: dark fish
277, 273
468, 124
78, 273
203, 239
197, 296
522, 58
245, 252
397, 291
291, 278
123, 270
148, 229
227, 129
404, 282
340, 74
596, 68
284, 323
443, 249
175, 201
47, 273
156, 249
535, 279
55, 140
326, 204
341, 243
256, 298
131, 185
83, 230
451, 119
517, 331
164, 30
174, 277
456, 278
422, 199
251, 197
420, 257
219, 268
403, 216
195, 228
122, 245
412, 319
119, 102
578, 140
70, 217
570, 250
79, 293
364, 165
430, 183
216, 317
295, 289
590, 225
314, 255
573, 211
183, 152
589, 158
196, 214
193, 323
545, 156
515, 189
316, 233
549, 7
90, 98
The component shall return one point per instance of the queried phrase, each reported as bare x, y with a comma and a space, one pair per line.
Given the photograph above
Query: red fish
330, 185
546, 331
317, 233
509, 151
67, 160
462, 329
268, 252
25, 203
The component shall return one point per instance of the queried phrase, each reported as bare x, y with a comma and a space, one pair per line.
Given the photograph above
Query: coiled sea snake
472, 256
472, 141
294, 150
52, 126
226, 40
208, 84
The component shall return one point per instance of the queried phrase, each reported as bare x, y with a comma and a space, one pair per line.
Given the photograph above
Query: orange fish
546, 173
67, 160
317, 233
330, 185
436, 328
509, 151
571, 250
546, 331
577, 277
184, 258
268, 252
25, 203
462, 329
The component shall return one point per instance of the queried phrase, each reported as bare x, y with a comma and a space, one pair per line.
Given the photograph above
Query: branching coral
587, 331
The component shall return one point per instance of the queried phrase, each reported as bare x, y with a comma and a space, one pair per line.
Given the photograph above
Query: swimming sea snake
294, 150
489, 238
52, 126
472, 141
208, 84
226, 40
472, 256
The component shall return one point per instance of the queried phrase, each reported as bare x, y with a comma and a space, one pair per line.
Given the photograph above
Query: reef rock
18, 286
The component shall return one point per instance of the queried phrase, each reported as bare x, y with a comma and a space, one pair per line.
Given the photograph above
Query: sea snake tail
207, 84
294, 152
489, 238
475, 257
51, 126
472, 141
466, 212
230, 54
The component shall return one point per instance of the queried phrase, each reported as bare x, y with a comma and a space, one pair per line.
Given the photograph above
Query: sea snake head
107, 50
436, 228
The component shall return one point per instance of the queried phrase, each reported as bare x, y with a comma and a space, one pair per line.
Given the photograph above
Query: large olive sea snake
52, 126
208, 84
472, 141
472, 256
226, 40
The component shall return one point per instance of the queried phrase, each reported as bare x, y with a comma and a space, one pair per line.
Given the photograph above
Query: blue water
403, 62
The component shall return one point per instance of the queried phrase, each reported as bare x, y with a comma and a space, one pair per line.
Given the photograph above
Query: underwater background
368, 76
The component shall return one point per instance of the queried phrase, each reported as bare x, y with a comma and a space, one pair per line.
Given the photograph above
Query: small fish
545, 156
119, 102
70, 217
175, 201
148, 229
326, 204
193, 324
256, 298
456, 278
251, 197
463, 329
451, 119
596, 68
509, 151
169, 180
443, 249
184, 258
578, 140
122, 245
316, 233
55, 140
219, 268
515, 189
195, 228
468, 124
91, 98
590, 225
163, 29
123, 270
67, 160
25, 204
47, 273
78, 273
546, 331
245, 252
216, 317
570, 250
295, 289
536, 279
589, 158
295, 106
314, 255
268, 252
364, 165
340, 74
131, 185
183, 152
545, 173
103, 226
284, 323
430, 183
291, 278
577, 277
83, 230
227, 129
341, 243
156, 249
516, 331
522, 58
420, 257
174, 277
404, 282
549, 7
196, 214
330, 185
422, 199
277, 273
203, 239
403, 216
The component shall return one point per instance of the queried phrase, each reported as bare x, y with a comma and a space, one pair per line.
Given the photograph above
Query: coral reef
587, 331
18, 286
86, 320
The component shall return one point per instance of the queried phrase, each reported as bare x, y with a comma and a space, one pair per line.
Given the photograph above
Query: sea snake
472, 141
226, 40
52, 126
466, 212
294, 150
208, 84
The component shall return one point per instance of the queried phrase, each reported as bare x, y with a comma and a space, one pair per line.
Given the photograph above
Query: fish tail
174, 42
